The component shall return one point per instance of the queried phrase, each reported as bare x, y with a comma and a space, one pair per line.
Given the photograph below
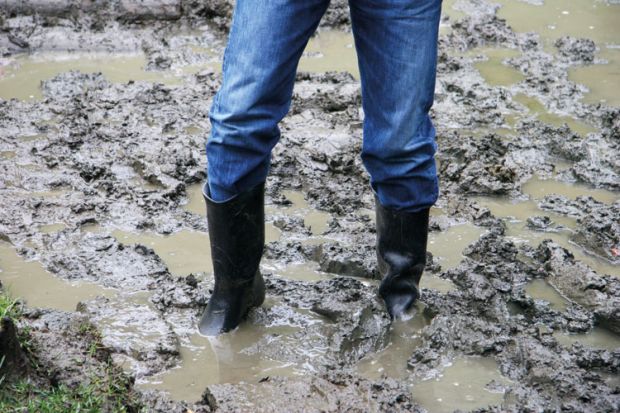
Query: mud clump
330, 392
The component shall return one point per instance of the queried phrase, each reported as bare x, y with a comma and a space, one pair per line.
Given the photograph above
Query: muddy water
597, 338
468, 383
542, 290
448, 245
538, 188
316, 220
493, 69
183, 252
594, 19
229, 358
461, 385
302, 271
330, 50
29, 281
392, 361
517, 212
601, 79
538, 111
22, 77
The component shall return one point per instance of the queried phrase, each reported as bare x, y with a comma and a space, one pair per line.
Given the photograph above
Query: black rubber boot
237, 234
401, 255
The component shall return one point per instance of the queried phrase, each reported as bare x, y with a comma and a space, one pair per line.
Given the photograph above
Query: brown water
597, 338
493, 69
22, 78
314, 219
542, 290
515, 214
538, 111
229, 358
538, 188
183, 252
602, 80
463, 385
404, 336
29, 281
447, 246
330, 50
301, 271
593, 19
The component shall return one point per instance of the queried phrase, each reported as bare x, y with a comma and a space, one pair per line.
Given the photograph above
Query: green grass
25, 397
8, 306
109, 392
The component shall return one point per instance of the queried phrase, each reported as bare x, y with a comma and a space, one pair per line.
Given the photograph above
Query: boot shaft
237, 234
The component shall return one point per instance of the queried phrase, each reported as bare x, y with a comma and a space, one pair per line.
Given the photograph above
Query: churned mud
103, 120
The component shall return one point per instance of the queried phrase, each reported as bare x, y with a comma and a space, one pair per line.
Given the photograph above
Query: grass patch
9, 306
108, 391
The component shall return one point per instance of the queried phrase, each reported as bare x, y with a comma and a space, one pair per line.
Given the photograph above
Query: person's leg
265, 44
396, 42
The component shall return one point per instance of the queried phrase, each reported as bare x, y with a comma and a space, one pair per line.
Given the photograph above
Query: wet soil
104, 116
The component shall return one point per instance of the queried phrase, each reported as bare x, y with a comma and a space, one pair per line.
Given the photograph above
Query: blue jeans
396, 43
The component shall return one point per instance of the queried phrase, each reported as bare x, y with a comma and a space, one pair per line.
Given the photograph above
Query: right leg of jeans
265, 44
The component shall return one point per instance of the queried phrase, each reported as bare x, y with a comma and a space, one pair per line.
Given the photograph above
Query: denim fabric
396, 43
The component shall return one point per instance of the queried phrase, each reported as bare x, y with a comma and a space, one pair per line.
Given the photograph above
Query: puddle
447, 246
29, 281
493, 70
196, 202
593, 19
22, 79
601, 79
304, 271
51, 228
436, 283
538, 188
447, 9
7, 155
541, 290
231, 358
52, 193
330, 50
183, 252
515, 213
317, 221
392, 360
462, 386
597, 338
538, 110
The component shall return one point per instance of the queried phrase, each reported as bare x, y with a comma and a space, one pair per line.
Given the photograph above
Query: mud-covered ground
100, 157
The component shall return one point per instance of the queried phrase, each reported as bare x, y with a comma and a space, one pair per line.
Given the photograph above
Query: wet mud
104, 116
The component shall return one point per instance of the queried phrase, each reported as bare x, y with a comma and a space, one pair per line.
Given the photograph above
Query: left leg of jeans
396, 43
266, 41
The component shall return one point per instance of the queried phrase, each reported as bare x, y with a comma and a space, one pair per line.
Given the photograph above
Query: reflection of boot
237, 234
401, 255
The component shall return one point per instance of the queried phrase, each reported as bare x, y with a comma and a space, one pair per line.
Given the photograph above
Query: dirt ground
97, 156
